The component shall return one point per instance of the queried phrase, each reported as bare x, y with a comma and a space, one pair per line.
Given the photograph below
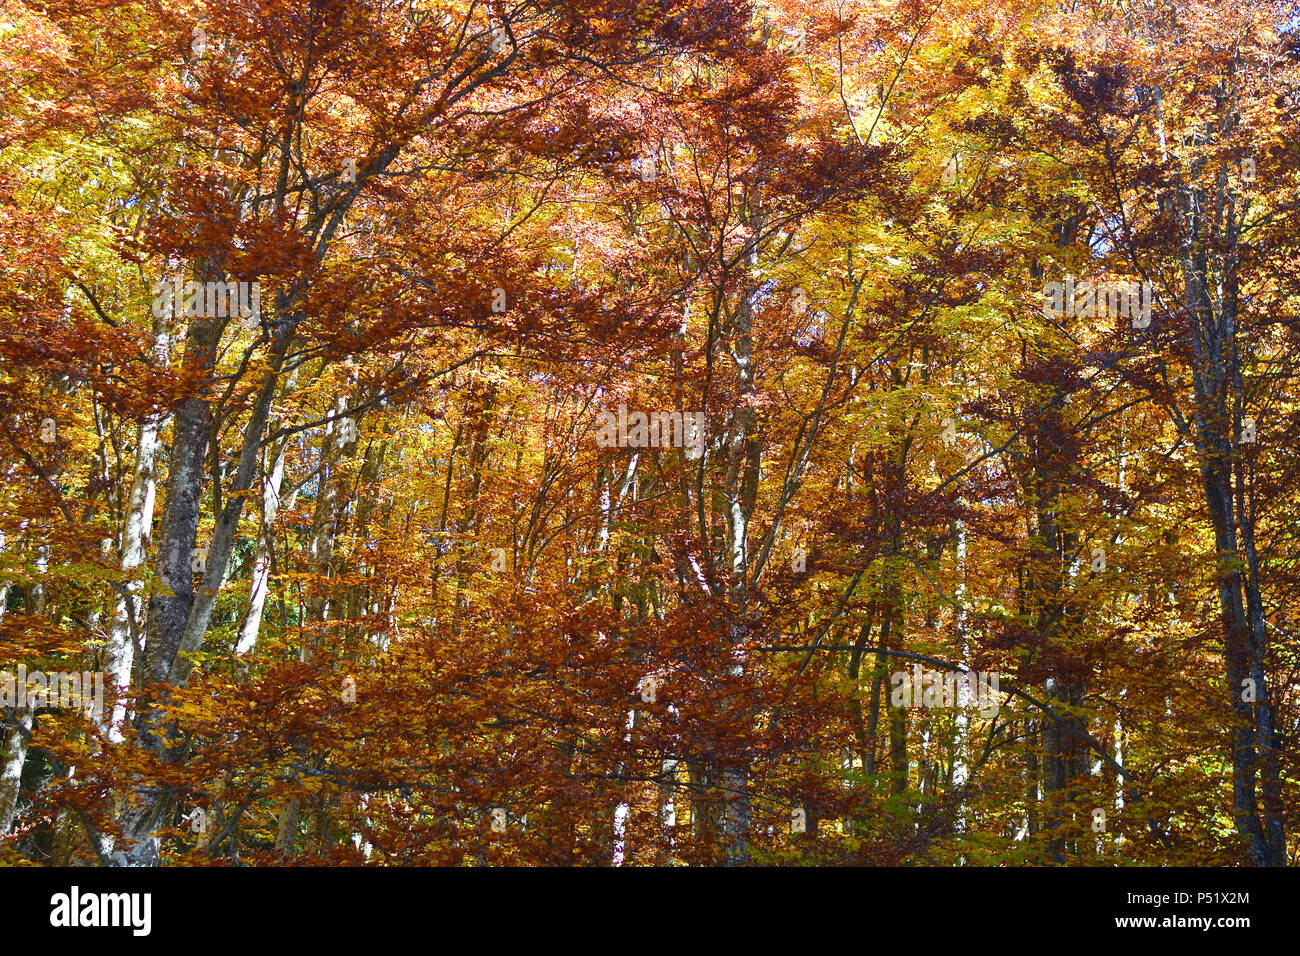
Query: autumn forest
649, 433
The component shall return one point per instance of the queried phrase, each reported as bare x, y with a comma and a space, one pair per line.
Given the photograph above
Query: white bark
15, 746
259, 584
620, 832
136, 523
261, 577
961, 766
12, 769
16, 743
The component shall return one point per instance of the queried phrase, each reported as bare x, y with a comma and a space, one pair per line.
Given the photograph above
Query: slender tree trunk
863, 736
11, 770
743, 455
136, 525
321, 599
14, 750
1033, 794
20, 718
899, 770
961, 729
179, 620
260, 580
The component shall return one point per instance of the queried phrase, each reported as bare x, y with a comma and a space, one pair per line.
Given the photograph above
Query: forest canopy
649, 432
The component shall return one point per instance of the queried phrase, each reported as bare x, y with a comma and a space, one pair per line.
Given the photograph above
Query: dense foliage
594, 422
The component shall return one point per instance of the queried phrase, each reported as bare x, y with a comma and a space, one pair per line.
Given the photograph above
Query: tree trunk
178, 620
19, 718
137, 522
260, 580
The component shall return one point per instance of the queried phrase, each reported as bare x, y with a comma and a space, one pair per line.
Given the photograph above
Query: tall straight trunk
879, 672
743, 455
170, 605
1209, 254
259, 583
359, 595
15, 749
1063, 757
320, 546
1117, 729
890, 639
320, 600
11, 769
863, 736
961, 728
894, 622
1045, 596
169, 608
667, 800
1239, 657
1033, 794
286, 831
479, 449
1216, 386
137, 523
704, 808
11, 741
1267, 737
927, 776
222, 544
1267, 741
179, 620
1056, 770
124, 628
20, 719
260, 579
